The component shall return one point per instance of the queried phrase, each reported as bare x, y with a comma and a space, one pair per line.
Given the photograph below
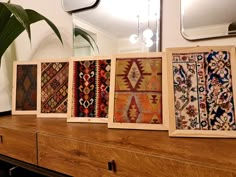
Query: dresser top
213, 152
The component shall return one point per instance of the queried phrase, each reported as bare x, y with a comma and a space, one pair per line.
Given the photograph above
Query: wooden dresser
93, 150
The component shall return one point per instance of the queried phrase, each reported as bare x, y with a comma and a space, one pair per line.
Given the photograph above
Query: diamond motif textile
138, 90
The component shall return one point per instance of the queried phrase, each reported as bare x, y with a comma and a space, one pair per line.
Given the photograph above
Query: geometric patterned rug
203, 95
91, 84
138, 90
54, 87
26, 87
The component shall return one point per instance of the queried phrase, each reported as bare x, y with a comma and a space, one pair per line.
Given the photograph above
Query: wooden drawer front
91, 160
18, 144
70, 157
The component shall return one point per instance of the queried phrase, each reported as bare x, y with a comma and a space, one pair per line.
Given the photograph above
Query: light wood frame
70, 117
39, 113
173, 131
14, 88
144, 126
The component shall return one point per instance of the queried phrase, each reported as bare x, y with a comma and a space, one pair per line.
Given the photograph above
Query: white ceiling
119, 17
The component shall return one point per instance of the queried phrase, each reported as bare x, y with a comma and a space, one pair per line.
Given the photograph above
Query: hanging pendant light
146, 35
148, 43
135, 37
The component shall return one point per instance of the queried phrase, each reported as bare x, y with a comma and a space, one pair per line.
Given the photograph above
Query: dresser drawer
84, 159
18, 144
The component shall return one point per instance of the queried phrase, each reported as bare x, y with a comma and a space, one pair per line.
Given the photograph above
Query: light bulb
148, 42
147, 34
133, 38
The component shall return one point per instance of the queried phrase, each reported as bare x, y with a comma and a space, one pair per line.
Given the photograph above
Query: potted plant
14, 19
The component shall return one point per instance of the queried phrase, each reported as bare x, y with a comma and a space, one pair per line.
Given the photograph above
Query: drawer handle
1, 139
112, 166
11, 170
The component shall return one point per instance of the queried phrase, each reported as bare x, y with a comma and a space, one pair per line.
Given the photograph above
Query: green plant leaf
35, 16
13, 28
86, 36
4, 17
10, 32
20, 15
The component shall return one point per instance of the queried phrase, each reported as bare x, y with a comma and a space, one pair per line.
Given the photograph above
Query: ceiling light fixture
147, 34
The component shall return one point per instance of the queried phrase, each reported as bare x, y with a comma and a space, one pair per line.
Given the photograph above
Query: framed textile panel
138, 93
53, 88
24, 87
90, 98
202, 91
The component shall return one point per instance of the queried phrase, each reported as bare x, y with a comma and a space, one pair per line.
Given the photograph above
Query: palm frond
35, 17
20, 14
14, 20
87, 37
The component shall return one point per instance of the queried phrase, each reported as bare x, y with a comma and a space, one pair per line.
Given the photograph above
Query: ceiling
119, 17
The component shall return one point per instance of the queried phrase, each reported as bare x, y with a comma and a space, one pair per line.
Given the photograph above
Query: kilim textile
26, 87
54, 87
91, 84
138, 88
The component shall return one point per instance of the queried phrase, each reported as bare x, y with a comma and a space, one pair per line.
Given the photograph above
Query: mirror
208, 18
117, 26
69, 5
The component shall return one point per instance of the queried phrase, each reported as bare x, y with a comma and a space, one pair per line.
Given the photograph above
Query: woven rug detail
138, 91
26, 87
54, 87
203, 93
91, 83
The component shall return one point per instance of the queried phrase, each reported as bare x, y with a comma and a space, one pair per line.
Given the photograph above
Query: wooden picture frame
24, 88
138, 91
53, 88
90, 82
201, 91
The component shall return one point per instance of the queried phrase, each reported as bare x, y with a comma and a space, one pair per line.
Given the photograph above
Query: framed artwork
90, 98
201, 91
138, 92
24, 88
53, 88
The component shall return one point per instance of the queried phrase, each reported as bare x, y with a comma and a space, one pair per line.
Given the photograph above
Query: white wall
44, 43
126, 47
171, 36
107, 44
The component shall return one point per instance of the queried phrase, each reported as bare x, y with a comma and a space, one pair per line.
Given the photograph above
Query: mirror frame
230, 27
81, 6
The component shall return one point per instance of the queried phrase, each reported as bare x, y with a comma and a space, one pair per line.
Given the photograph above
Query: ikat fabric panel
54, 87
24, 88
203, 90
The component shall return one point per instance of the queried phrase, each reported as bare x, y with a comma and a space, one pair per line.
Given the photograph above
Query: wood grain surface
78, 158
19, 145
71, 147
